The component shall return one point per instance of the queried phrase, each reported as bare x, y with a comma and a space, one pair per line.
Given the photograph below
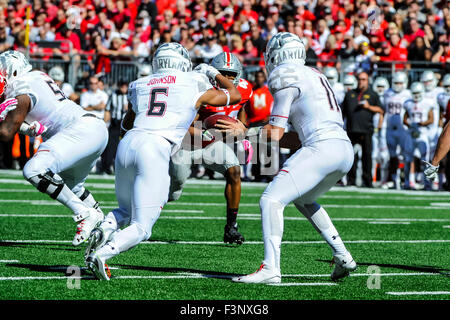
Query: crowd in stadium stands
349, 35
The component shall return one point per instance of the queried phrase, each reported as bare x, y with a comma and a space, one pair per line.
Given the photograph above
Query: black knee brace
48, 183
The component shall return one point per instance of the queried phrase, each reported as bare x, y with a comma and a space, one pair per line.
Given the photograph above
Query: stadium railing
80, 69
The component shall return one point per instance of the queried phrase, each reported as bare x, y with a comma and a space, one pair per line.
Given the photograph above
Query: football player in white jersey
380, 152
396, 134
418, 117
164, 105
73, 139
432, 91
333, 78
349, 83
304, 98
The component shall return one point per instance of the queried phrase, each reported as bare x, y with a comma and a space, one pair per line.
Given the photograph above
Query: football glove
207, 138
210, 71
7, 106
34, 129
430, 171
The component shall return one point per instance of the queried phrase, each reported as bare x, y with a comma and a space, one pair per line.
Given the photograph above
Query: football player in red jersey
217, 155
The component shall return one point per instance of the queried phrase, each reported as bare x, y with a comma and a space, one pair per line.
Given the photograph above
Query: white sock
70, 200
320, 220
272, 227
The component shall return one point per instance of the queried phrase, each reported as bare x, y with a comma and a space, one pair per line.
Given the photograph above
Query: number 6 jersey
165, 103
313, 112
49, 105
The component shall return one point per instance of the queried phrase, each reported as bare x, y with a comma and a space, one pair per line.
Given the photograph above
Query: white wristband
24, 128
228, 95
254, 131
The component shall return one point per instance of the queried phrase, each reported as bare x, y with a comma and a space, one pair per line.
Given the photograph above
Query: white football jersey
418, 112
165, 103
394, 108
339, 92
49, 105
433, 95
314, 113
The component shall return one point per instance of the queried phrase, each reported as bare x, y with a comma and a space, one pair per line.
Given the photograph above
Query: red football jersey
246, 91
260, 105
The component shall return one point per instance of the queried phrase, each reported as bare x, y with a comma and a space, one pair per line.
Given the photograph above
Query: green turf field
400, 240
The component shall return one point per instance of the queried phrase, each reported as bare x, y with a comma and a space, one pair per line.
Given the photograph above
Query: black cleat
232, 235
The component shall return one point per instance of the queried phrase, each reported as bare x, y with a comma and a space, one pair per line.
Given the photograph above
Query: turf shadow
205, 273
62, 269
429, 269
53, 246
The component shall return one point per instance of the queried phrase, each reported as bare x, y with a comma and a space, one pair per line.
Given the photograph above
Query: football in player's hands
211, 121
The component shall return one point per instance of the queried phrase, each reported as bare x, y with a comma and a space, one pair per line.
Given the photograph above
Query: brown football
211, 121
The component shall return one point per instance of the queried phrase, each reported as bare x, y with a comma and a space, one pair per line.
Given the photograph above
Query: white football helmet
332, 75
14, 64
57, 73
417, 91
350, 82
228, 62
428, 80
380, 85
145, 70
446, 83
399, 81
284, 47
171, 56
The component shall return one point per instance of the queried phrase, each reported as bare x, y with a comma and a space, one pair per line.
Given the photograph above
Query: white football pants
306, 175
142, 187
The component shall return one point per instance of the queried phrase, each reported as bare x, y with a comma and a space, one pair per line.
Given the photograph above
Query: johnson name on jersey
49, 105
245, 89
165, 103
314, 114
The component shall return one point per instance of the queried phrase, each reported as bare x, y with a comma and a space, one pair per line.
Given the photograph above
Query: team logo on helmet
171, 56
284, 47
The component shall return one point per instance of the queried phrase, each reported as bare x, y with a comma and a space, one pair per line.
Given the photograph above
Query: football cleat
344, 264
97, 239
264, 274
231, 235
86, 222
98, 267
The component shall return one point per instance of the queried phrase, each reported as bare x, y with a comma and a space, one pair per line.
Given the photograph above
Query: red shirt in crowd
260, 105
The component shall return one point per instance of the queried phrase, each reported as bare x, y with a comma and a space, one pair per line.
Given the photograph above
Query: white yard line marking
421, 293
242, 216
208, 276
9, 261
292, 284
223, 204
388, 222
446, 226
247, 242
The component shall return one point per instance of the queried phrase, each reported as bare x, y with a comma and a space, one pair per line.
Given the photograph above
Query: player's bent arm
405, 119
274, 133
430, 119
443, 146
127, 122
15, 118
219, 98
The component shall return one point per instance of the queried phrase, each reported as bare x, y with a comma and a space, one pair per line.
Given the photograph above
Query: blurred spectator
327, 58
250, 53
6, 41
364, 57
94, 100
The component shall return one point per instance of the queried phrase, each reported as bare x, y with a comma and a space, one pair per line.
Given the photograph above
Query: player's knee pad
142, 233
48, 183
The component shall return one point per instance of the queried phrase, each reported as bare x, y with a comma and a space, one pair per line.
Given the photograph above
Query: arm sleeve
282, 106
